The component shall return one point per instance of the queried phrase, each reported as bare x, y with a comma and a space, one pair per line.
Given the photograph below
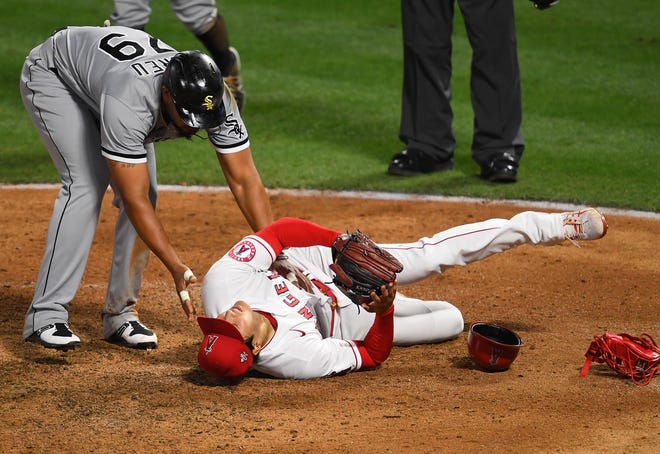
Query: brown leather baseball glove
361, 266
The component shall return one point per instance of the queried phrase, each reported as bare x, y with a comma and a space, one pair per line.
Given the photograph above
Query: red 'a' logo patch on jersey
243, 251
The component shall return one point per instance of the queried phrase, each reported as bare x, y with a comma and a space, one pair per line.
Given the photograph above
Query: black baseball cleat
134, 334
500, 170
56, 335
413, 162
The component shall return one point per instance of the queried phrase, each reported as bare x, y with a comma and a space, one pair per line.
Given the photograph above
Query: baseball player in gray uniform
291, 332
100, 97
202, 19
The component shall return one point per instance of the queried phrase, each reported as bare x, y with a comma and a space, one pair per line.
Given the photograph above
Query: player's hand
182, 281
284, 268
381, 303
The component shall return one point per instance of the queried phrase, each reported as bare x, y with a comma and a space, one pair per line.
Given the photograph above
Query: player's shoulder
123, 46
90, 35
86, 32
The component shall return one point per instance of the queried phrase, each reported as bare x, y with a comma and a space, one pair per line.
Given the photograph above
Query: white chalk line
373, 195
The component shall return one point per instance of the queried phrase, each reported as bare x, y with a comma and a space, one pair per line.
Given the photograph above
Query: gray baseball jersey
117, 71
93, 93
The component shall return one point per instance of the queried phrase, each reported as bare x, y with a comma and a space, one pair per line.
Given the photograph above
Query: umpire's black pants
426, 115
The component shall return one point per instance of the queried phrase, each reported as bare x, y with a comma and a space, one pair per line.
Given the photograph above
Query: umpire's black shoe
413, 162
55, 335
501, 170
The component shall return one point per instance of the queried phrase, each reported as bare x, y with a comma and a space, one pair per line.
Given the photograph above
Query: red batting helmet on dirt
223, 352
492, 347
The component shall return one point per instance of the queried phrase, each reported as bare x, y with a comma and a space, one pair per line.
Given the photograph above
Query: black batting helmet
196, 87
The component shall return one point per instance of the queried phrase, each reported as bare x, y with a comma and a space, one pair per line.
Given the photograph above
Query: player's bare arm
132, 183
245, 183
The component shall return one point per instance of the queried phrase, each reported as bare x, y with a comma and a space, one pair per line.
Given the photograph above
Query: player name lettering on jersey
282, 289
291, 300
306, 313
150, 67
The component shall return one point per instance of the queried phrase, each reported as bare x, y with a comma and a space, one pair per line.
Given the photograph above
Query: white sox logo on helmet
208, 102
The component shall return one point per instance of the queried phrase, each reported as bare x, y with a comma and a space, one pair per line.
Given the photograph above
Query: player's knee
448, 322
457, 322
439, 321
197, 20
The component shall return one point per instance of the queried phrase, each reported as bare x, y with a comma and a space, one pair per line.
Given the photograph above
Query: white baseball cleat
587, 224
134, 334
55, 335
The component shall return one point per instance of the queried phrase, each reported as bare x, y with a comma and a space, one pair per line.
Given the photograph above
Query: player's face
170, 110
242, 317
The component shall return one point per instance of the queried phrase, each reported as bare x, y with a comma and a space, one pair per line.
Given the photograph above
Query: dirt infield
105, 398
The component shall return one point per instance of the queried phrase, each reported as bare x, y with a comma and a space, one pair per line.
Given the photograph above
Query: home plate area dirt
423, 399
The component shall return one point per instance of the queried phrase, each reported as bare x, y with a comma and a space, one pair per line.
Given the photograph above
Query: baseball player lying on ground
279, 325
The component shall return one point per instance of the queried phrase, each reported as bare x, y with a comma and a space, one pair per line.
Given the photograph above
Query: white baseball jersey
309, 326
298, 349
117, 72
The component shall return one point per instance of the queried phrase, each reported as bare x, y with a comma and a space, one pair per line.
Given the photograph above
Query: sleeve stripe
265, 245
124, 157
356, 353
231, 147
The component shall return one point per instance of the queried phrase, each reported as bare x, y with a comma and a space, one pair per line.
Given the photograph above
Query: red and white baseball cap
223, 352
